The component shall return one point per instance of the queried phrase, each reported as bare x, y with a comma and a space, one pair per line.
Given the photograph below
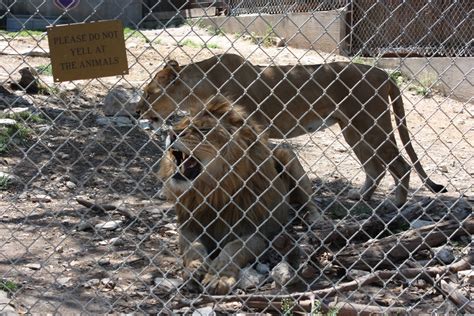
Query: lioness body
232, 192
293, 100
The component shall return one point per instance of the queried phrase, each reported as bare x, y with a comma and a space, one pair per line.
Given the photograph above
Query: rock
115, 120
84, 225
5, 308
62, 155
116, 241
41, 198
283, 274
103, 261
204, 311
420, 223
145, 124
171, 226
33, 266
7, 122
8, 177
249, 278
262, 268
444, 254
63, 281
120, 102
71, 185
167, 284
16, 110
91, 283
111, 225
108, 283
443, 169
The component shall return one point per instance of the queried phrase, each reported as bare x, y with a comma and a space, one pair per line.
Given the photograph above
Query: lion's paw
218, 285
193, 275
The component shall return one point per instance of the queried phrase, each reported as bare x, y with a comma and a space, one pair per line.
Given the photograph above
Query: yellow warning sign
87, 50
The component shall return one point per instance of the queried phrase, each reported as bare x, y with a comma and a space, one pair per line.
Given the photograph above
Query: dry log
461, 301
341, 232
387, 251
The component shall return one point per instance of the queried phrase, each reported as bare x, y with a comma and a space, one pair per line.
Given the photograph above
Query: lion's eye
205, 131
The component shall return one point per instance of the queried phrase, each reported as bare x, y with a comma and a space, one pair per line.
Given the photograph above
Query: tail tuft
437, 188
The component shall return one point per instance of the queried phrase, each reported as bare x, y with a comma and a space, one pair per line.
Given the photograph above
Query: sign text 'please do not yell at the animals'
87, 50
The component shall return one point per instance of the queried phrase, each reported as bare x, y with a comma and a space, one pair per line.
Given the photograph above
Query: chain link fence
412, 28
240, 172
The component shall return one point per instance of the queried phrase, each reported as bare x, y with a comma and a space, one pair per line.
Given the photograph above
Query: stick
104, 208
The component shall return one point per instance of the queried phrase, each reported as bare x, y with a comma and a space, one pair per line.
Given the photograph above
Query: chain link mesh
89, 223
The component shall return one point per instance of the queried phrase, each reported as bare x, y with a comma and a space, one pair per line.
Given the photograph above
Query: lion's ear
162, 79
221, 108
171, 64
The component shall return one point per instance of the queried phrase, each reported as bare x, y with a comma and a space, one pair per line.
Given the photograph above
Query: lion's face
156, 103
165, 94
205, 147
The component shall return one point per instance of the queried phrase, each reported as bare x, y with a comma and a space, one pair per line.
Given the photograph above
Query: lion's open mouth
188, 167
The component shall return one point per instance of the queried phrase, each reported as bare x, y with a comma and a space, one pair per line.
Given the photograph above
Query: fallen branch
387, 251
104, 208
461, 301
275, 301
341, 232
349, 309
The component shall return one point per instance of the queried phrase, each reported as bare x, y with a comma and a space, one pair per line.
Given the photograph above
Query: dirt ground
61, 260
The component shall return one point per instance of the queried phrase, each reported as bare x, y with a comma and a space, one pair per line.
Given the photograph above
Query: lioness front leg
223, 272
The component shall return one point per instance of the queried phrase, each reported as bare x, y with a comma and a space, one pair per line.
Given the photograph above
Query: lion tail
398, 109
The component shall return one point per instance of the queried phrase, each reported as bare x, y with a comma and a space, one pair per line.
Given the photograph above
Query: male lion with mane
232, 193
289, 101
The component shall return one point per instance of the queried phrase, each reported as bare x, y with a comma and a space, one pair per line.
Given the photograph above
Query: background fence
83, 228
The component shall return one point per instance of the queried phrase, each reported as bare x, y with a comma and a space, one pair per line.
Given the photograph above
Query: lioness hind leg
374, 172
373, 166
301, 190
400, 171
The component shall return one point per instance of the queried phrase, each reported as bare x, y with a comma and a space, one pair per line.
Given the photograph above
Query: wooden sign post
87, 50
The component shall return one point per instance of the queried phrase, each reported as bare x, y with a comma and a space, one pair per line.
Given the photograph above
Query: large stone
9, 178
249, 278
120, 102
7, 122
6, 309
444, 254
283, 274
110, 225
167, 284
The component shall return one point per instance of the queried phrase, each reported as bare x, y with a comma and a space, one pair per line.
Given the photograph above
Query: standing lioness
294, 100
